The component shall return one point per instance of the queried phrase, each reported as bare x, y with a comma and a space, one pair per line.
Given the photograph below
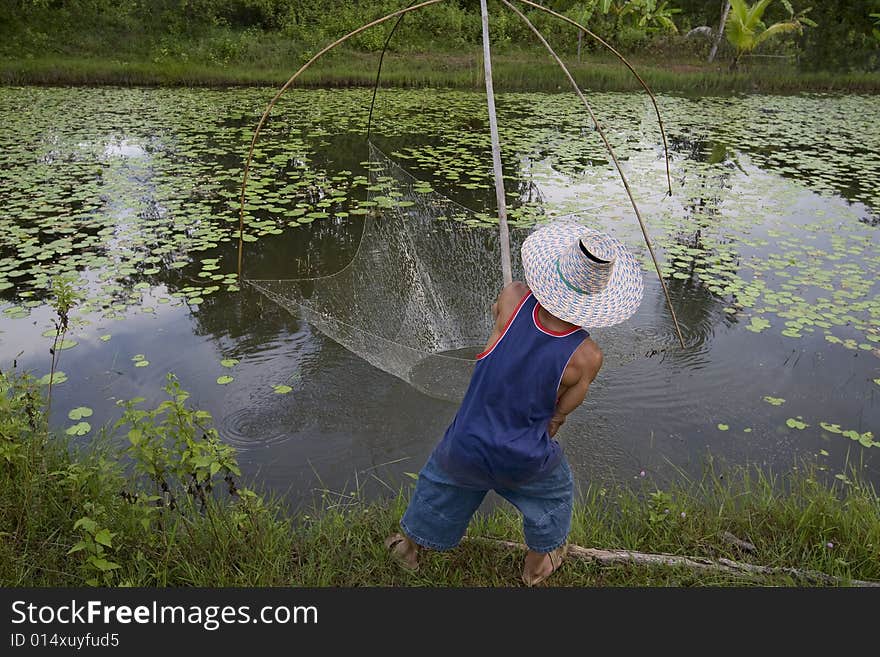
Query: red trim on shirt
485, 353
541, 327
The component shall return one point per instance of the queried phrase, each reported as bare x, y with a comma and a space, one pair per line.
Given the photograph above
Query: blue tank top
499, 437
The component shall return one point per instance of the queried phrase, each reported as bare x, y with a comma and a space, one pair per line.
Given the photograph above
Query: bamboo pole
613, 158
287, 84
506, 274
379, 68
644, 84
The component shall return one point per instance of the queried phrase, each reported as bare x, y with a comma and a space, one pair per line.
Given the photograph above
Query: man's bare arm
587, 365
508, 298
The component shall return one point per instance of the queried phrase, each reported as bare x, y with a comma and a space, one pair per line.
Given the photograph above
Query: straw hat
581, 275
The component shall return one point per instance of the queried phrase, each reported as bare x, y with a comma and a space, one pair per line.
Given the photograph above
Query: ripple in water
253, 428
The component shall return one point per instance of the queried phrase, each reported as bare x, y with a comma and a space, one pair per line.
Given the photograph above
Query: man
536, 368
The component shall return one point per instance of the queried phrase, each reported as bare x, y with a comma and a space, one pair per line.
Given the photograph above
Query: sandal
391, 543
556, 558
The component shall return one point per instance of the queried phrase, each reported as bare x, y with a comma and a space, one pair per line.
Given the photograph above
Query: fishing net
415, 299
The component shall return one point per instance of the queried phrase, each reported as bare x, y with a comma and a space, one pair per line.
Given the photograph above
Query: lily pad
59, 377
78, 429
282, 389
758, 324
80, 412
831, 428
223, 380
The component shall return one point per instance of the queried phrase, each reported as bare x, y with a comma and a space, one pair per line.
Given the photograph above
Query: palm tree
746, 31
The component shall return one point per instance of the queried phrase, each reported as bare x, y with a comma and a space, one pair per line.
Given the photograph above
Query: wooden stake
506, 275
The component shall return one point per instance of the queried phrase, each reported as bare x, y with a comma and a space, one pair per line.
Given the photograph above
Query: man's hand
555, 422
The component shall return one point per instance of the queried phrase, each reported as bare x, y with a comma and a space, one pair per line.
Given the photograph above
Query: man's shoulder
588, 358
515, 291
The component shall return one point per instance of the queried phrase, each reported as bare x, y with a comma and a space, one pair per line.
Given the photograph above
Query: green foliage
844, 37
64, 297
746, 29
78, 516
72, 517
21, 418
625, 24
176, 448
281, 33
96, 544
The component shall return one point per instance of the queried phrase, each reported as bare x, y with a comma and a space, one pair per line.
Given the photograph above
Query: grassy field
73, 516
513, 71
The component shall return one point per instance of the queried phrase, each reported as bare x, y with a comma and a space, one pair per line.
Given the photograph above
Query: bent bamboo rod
627, 64
287, 84
379, 69
498, 174
623, 178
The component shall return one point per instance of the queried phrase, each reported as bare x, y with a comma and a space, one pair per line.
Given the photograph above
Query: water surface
769, 246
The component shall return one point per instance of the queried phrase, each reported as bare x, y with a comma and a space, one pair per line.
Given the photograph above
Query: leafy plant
64, 298
19, 415
175, 448
746, 29
660, 507
652, 15
96, 543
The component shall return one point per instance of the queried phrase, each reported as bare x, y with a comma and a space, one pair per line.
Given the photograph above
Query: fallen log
728, 566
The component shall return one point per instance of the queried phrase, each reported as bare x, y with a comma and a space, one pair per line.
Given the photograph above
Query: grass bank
513, 71
177, 515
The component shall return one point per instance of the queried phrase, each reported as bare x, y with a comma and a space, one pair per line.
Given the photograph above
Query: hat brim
614, 304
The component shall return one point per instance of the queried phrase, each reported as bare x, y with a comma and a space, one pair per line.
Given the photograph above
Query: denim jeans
440, 510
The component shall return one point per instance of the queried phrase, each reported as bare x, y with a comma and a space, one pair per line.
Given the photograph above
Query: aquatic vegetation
79, 429
133, 193
79, 413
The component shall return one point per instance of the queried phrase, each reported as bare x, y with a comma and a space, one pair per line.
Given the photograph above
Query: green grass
46, 486
513, 71
790, 521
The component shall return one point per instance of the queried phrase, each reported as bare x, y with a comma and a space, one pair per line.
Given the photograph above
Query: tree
746, 31
581, 12
843, 39
716, 41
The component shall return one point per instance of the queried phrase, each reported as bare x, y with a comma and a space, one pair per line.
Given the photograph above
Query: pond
769, 246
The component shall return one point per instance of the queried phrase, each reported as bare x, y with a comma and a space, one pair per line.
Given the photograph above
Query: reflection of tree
698, 308
242, 317
706, 194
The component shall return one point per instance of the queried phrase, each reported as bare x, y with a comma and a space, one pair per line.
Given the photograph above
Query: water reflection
138, 194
